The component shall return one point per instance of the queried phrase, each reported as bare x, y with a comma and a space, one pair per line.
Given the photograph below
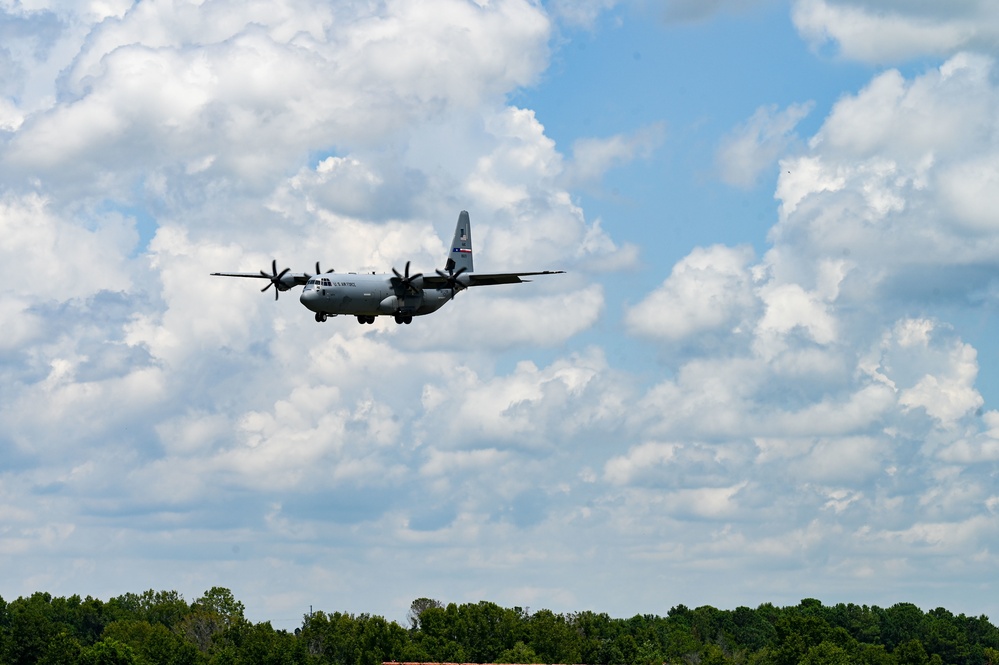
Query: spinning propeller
318, 272
275, 279
452, 280
406, 281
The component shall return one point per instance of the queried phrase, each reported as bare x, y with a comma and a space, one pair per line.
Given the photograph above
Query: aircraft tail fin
460, 255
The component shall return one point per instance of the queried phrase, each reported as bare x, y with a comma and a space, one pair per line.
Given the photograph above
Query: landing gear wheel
398, 318
370, 319
320, 317
362, 320
407, 319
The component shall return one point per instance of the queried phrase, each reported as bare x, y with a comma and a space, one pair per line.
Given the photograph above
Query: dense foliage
161, 628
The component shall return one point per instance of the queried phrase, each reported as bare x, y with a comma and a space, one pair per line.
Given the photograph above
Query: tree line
161, 628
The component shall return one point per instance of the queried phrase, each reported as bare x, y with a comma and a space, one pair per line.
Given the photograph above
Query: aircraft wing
506, 277
485, 279
281, 281
288, 280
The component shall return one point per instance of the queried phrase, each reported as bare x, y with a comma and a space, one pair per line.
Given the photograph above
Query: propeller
406, 281
452, 280
275, 279
318, 272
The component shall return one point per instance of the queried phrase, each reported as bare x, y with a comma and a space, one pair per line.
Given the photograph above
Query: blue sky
768, 373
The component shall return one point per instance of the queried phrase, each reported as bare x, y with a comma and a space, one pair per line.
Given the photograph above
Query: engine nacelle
390, 305
406, 304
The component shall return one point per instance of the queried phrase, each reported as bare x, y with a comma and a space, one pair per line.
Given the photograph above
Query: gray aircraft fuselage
368, 294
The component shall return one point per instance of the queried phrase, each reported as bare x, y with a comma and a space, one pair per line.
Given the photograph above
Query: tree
860, 621
900, 623
519, 653
553, 638
260, 644
827, 653
31, 629
681, 645
216, 617
872, 654
796, 634
438, 636
163, 607
332, 637
63, 649
153, 643
417, 607
379, 640
911, 652
107, 652
649, 654
712, 654
220, 602
942, 636
750, 629
485, 630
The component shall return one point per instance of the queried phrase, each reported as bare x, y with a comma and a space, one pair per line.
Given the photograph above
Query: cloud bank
813, 420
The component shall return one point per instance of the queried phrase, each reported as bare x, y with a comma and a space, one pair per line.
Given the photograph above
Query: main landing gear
367, 318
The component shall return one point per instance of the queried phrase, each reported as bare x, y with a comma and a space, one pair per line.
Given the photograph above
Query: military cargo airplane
401, 295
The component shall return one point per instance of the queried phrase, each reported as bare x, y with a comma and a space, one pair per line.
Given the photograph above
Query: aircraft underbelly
433, 300
356, 299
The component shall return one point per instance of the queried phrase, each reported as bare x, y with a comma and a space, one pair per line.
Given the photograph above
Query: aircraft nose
307, 298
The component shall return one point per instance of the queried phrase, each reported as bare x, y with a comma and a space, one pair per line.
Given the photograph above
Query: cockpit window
327, 282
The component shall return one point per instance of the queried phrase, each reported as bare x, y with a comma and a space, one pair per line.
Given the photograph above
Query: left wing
464, 279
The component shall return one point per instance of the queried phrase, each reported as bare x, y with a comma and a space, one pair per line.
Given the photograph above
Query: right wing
281, 281
287, 280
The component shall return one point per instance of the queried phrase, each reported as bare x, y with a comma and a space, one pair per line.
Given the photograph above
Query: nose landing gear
320, 317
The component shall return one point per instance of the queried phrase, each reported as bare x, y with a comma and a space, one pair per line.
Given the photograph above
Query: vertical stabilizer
460, 255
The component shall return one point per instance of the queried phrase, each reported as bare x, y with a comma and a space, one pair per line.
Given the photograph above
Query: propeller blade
405, 280
274, 279
319, 271
452, 280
